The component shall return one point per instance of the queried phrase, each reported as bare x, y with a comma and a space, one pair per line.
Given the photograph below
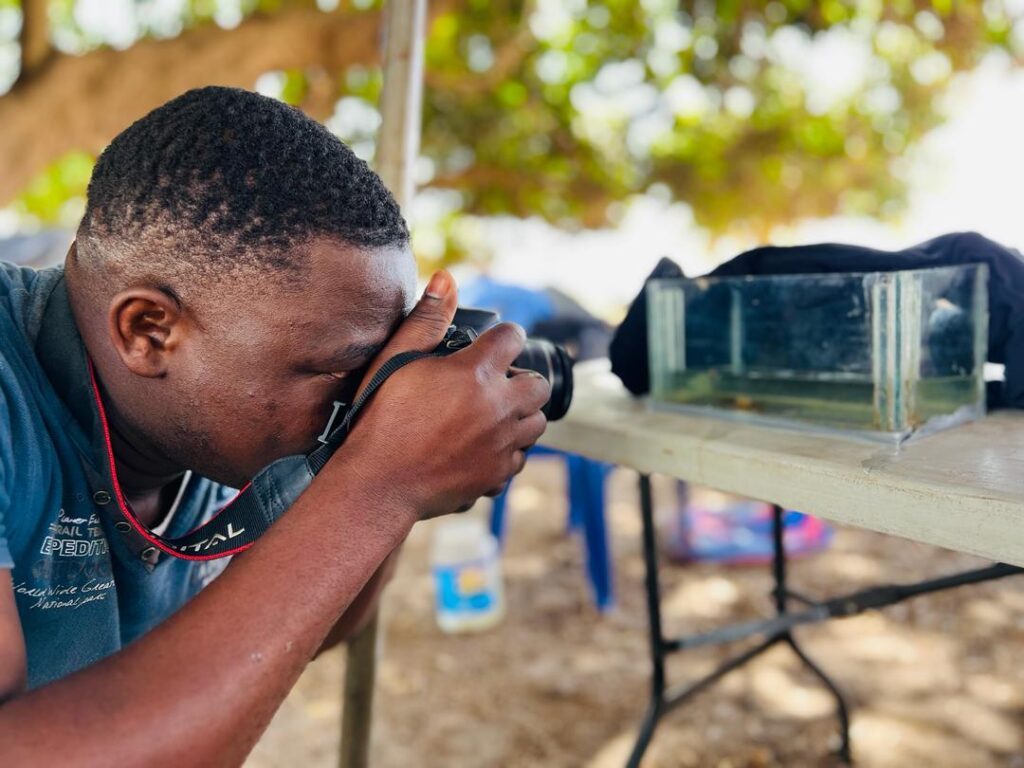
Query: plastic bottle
469, 595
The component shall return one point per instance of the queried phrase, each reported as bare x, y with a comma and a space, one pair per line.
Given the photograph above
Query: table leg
778, 628
781, 594
657, 699
662, 701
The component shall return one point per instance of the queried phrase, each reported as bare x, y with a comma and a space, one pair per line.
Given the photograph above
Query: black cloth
628, 347
628, 350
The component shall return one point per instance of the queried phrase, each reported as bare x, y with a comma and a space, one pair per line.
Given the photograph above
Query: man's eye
334, 377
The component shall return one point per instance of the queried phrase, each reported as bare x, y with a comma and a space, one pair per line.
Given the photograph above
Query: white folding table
962, 489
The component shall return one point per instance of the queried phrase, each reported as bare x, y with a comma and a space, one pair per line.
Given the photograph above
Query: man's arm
364, 606
201, 687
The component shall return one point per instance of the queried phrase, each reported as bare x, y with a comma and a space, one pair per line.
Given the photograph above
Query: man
236, 271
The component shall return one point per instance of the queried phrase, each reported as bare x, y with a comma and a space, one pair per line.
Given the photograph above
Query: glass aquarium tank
882, 353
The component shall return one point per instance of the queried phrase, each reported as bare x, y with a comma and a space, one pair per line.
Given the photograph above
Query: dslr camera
551, 361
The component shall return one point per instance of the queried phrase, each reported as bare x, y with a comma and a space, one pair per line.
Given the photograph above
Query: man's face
257, 380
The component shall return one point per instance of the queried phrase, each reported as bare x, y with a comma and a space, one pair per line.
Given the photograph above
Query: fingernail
438, 285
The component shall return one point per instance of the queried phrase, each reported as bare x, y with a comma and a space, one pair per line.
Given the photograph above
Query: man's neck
150, 493
152, 507
138, 469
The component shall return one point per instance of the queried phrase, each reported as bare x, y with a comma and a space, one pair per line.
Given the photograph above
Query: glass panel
877, 352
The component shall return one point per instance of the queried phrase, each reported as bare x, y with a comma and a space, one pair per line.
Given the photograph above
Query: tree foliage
753, 113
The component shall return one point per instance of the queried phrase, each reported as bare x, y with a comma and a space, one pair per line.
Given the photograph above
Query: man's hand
442, 432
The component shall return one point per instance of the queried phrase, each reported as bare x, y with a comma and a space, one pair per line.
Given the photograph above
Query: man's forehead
362, 276
356, 293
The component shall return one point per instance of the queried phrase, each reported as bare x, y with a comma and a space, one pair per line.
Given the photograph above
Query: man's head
236, 266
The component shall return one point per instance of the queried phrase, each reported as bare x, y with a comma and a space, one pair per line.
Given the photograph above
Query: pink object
719, 527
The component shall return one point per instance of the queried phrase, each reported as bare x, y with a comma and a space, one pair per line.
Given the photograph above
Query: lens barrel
549, 360
553, 363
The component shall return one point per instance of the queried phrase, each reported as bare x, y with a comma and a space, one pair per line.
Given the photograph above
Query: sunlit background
570, 144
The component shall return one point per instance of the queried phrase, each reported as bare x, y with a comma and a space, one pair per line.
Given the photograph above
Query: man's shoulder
31, 417
23, 295
15, 278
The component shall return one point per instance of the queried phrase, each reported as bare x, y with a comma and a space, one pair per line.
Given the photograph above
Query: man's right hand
441, 432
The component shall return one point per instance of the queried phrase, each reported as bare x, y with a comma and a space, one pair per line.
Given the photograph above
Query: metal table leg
657, 699
662, 701
781, 594
778, 628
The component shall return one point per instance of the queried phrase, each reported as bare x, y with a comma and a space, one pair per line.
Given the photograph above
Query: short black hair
226, 179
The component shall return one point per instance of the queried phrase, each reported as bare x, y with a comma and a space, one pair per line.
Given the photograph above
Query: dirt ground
933, 682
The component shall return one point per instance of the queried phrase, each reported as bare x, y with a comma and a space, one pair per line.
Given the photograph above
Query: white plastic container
468, 590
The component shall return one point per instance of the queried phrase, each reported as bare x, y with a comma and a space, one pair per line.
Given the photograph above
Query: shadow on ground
933, 682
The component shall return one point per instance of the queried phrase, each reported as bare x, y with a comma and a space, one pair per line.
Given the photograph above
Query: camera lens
553, 363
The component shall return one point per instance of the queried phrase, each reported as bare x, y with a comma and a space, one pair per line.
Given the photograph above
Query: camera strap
245, 518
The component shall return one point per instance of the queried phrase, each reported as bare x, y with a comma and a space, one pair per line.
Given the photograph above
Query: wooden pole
357, 696
398, 144
397, 149
35, 36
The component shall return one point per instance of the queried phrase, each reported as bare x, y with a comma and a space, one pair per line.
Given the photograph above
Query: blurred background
567, 145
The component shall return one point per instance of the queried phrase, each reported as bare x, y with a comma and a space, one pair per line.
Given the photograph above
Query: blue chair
528, 307
586, 481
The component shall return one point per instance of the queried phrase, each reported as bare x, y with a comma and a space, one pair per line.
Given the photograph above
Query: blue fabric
81, 589
513, 303
586, 490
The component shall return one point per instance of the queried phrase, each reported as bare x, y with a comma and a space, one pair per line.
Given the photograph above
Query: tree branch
82, 102
508, 57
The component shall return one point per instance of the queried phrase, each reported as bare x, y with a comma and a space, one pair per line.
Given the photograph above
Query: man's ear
145, 325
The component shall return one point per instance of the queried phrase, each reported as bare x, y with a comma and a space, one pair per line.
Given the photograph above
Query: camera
278, 485
550, 360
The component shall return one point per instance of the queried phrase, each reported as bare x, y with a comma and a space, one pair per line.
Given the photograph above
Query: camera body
551, 361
